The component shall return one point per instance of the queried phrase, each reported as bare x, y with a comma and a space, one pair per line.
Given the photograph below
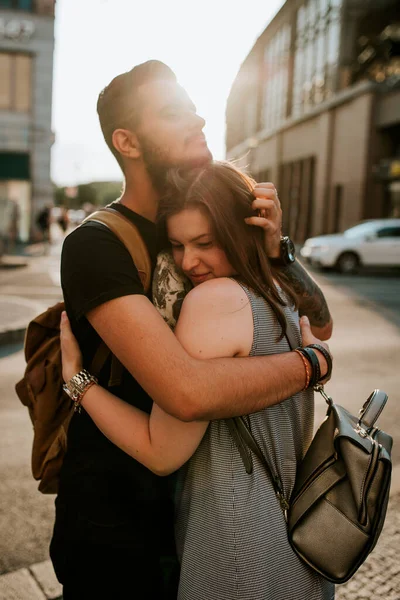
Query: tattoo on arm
310, 298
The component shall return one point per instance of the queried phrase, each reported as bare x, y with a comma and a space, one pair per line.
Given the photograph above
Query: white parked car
370, 243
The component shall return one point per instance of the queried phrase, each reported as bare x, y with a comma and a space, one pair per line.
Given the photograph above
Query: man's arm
311, 300
186, 387
310, 297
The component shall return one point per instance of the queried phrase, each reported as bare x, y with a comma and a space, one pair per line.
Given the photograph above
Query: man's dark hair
118, 106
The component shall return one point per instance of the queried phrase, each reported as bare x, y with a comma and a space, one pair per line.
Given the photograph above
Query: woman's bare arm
158, 441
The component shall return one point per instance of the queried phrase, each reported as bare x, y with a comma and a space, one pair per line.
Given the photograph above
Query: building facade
315, 108
26, 73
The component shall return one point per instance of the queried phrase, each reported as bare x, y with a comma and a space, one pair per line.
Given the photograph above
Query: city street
366, 348
305, 93
365, 341
377, 288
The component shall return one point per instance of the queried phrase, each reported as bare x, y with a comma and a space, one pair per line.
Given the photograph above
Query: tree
98, 193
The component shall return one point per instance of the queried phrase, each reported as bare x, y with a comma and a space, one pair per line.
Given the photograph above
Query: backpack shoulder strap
129, 235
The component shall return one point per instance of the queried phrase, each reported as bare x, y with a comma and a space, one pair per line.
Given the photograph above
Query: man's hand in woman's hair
269, 217
70, 352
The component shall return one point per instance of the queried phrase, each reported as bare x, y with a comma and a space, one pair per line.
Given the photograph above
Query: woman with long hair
230, 530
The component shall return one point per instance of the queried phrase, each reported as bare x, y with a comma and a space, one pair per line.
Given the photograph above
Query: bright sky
203, 42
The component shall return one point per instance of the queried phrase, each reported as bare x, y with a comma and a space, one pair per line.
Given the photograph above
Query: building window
16, 82
242, 114
316, 53
276, 76
262, 176
337, 207
296, 186
250, 113
17, 4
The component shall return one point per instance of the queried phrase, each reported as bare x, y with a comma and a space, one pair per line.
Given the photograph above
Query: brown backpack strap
99, 359
117, 369
129, 235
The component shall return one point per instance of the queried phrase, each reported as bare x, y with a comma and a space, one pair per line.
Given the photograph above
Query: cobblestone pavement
379, 576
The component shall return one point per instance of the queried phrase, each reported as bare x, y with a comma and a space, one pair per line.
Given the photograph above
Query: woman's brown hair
226, 194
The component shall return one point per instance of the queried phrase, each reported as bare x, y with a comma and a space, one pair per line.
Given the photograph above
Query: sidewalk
15, 314
378, 578
26, 288
37, 582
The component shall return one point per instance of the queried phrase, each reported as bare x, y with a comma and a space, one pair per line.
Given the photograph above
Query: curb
14, 265
14, 333
12, 336
37, 582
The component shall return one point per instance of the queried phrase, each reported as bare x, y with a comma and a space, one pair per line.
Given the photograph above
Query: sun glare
203, 43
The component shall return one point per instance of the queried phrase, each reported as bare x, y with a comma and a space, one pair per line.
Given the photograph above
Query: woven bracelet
307, 369
312, 358
327, 357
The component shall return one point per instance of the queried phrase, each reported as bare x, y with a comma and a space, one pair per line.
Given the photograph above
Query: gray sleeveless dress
230, 532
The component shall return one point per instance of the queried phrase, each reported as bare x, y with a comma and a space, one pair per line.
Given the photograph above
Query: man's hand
270, 216
311, 301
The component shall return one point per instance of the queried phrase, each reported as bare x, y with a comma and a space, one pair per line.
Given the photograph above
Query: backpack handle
372, 408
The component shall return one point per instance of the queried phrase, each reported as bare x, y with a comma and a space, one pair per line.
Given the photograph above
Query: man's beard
158, 163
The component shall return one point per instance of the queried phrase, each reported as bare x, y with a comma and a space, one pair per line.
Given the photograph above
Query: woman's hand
270, 217
309, 338
70, 352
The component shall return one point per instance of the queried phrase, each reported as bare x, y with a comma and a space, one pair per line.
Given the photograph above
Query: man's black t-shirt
118, 501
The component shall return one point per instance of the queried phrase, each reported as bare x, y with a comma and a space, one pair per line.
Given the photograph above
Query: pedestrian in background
12, 218
43, 221
63, 220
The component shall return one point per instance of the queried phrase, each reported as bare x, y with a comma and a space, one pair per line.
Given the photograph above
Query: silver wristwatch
77, 386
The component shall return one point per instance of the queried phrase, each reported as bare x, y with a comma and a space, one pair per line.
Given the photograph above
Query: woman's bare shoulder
216, 320
216, 294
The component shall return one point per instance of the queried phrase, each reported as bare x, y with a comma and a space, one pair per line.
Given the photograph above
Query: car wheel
348, 262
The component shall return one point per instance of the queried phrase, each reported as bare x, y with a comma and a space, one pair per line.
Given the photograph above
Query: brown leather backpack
40, 389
